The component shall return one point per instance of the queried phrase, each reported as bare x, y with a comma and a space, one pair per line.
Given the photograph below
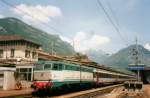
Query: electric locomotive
60, 75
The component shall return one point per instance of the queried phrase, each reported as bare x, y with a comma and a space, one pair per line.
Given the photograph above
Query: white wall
1, 79
9, 80
19, 53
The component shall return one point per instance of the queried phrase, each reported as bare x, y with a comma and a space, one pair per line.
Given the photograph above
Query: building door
1, 79
25, 72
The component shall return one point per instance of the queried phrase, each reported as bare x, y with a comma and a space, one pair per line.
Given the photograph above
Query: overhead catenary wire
113, 14
118, 24
112, 22
25, 13
116, 19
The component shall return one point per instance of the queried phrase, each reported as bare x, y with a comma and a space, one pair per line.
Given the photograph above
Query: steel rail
90, 93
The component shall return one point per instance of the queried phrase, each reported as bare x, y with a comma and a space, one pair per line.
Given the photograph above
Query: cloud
37, 13
66, 39
147, 46
2, 16
84, 41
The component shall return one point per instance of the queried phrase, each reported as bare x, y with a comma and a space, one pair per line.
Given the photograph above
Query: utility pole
136, 59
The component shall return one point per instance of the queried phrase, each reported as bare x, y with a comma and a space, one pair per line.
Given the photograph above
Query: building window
34, 55
1, 53
12, 53
25, 73
27, 54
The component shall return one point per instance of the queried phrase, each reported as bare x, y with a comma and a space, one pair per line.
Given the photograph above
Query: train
56, 75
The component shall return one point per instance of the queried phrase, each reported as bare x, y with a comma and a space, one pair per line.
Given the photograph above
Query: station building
19, 52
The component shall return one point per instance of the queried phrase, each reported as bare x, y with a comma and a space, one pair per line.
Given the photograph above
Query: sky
83, 23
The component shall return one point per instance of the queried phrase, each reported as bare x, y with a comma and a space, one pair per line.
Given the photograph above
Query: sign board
136, 68
7, 69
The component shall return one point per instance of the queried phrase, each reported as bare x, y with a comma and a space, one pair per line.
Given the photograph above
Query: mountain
97, 55
13, 26
122, 58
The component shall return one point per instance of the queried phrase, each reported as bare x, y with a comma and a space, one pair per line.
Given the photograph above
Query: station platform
13, 93
122, 93
118, 92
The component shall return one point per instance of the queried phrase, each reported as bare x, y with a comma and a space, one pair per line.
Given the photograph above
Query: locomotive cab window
78, 68
67, 67
47, 66
61, 66
38, 67
57, 66
72, 67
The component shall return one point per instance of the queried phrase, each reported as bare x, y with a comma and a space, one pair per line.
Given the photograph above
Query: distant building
21, 52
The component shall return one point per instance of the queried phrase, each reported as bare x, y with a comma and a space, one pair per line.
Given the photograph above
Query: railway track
90, 93
81, 94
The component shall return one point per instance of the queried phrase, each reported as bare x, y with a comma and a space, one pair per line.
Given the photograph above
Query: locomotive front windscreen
39, 67
42, 72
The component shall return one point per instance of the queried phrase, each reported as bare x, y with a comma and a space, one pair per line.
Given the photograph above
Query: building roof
16, 38
10, 37
46, 56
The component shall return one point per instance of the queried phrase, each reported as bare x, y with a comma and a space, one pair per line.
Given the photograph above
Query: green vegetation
13, 26
122, 58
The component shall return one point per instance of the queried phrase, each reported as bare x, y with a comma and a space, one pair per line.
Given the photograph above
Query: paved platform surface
121, 93
14, 92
